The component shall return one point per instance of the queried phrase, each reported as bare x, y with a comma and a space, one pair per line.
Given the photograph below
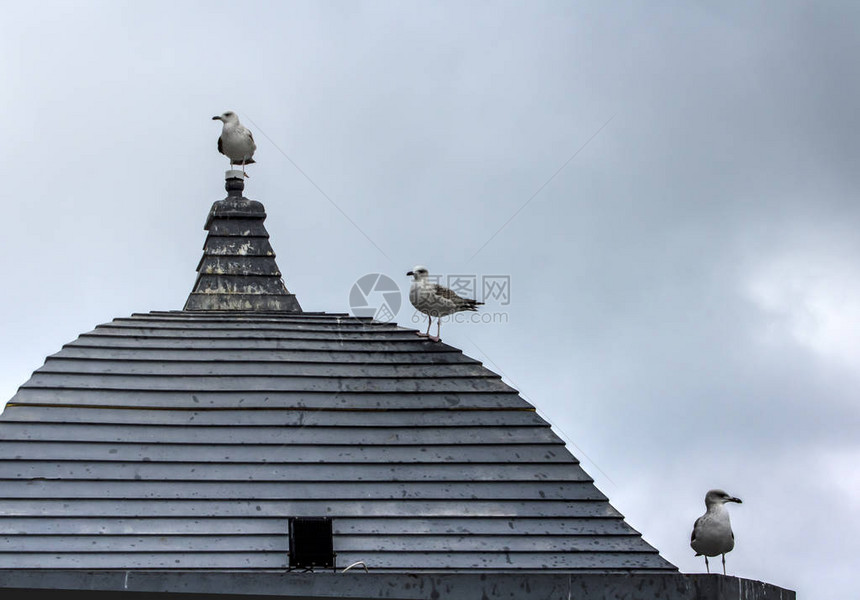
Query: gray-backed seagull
712, 532
236, 141
435, 300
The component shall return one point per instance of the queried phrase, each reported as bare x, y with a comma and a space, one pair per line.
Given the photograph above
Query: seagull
435, 300
236, 141
712, 532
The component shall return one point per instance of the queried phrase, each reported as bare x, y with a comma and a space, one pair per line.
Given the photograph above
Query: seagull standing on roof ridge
236, 141
435, 300
712, 532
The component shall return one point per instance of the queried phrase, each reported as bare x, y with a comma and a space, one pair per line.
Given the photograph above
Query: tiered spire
238, 269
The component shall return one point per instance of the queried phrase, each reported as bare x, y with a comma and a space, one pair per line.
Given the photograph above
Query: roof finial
234, 184
238, 269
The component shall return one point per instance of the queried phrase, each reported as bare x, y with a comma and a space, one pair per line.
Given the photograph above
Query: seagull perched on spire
236, 141
712, 532
435, 300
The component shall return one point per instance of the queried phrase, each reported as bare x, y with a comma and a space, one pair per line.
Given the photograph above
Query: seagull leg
429, 320
438, 329
430, 337
724, 564
706, 565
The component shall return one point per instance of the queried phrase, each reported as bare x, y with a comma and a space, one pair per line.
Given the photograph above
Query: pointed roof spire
238, 269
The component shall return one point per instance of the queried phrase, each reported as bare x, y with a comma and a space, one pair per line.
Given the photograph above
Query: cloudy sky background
685, 292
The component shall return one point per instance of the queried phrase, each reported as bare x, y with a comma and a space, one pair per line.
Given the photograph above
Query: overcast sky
685, 292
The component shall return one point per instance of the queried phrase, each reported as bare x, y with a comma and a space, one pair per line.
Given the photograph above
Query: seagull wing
451, 295
253, 147
459, 302
693, 534
448, 294
250, 160
253, 143
220, 146
695, 527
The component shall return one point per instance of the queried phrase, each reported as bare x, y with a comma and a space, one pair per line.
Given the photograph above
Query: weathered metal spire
238, 269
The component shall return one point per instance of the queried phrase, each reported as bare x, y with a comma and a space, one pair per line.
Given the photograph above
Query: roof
238, 269
187, 439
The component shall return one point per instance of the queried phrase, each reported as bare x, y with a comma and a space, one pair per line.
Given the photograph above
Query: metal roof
187, 439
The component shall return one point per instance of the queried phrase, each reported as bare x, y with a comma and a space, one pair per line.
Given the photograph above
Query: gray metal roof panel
138, 470
394, 435
286, 453
298, 323
263, 383
382, 334
247, 284
232, 246
247, 265
517, 527
239, 228
251, 400
250, 298
56, 365
258, 342
222, 355
381, 561
277, 542
257, 315
292, 490
268, 417
335, 508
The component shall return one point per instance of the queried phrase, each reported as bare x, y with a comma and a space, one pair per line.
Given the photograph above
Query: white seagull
236, 141
712, 532
435, 300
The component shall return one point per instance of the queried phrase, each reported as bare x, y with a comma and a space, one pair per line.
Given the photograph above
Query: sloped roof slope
185, 440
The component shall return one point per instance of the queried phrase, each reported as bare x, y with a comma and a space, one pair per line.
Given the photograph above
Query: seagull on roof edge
435, 300
236, 141
712, 532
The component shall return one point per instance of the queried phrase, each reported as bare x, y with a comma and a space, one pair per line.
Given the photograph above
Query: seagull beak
738, 500
217, 119
410, 273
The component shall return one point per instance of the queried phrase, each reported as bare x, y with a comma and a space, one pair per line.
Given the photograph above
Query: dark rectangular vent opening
311, 543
